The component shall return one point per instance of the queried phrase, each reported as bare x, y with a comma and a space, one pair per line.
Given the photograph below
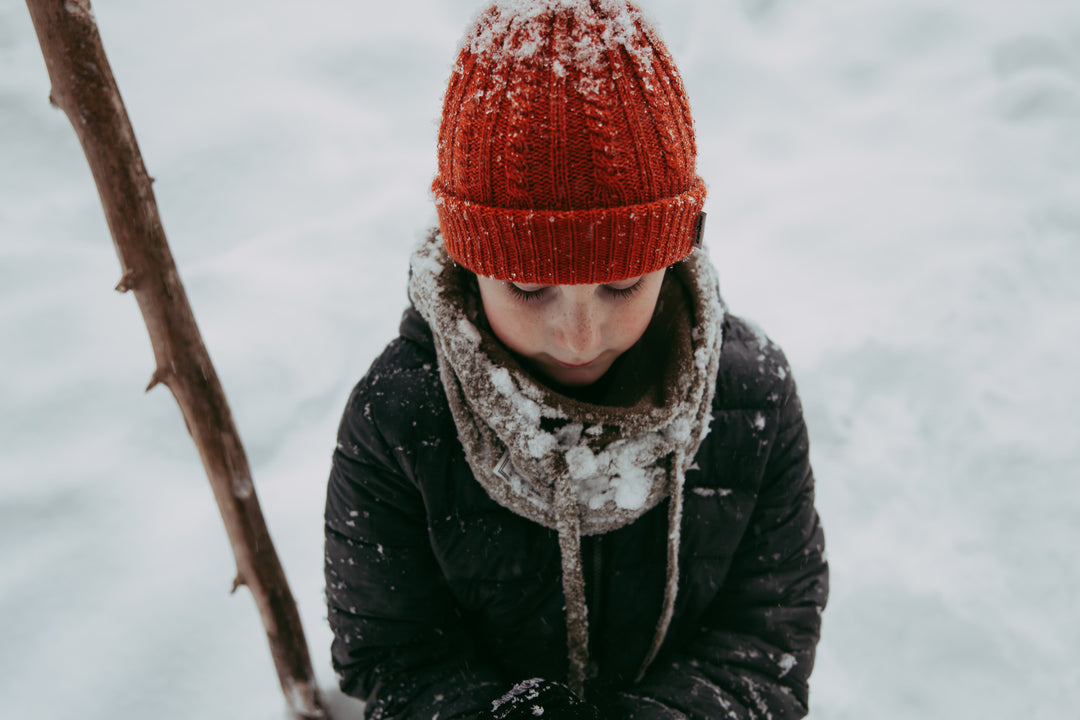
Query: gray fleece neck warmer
580, 468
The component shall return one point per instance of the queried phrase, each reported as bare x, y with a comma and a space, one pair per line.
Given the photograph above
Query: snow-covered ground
894, 196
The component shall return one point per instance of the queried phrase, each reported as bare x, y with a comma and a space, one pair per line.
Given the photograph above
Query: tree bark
84, 88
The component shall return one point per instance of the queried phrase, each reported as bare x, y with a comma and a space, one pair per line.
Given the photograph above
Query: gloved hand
539, 698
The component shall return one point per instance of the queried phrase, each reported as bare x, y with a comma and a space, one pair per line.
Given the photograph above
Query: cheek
635, 323
514, 329
506, 320
634, 319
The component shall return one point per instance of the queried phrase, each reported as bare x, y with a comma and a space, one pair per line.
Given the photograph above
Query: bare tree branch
84, 88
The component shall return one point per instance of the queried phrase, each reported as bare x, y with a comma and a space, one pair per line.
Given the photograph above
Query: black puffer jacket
440, 599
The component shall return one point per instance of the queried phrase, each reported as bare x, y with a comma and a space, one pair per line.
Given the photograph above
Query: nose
579, 331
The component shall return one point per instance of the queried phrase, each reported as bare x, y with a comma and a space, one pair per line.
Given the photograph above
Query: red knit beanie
566, 150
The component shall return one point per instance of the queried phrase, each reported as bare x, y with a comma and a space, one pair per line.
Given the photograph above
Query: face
570, 334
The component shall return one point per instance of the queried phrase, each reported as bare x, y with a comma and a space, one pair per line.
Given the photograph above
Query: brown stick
84, 88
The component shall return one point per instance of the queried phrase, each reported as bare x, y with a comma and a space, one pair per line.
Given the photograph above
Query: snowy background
894, 196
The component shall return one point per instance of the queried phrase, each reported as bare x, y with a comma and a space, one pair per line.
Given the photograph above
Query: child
574, 487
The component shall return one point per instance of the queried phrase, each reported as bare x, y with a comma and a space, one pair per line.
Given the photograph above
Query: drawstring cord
568, 526
671, 587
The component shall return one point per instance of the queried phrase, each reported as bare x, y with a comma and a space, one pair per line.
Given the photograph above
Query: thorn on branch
159, 377
236, 583
127, 281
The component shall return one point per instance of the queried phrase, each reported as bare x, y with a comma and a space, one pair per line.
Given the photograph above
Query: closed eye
623, 293
620, 290
527, 295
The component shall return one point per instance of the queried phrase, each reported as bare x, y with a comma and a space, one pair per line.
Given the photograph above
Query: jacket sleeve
753, 655
398, 642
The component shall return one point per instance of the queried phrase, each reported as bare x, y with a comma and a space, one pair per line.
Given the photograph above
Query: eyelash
535, 295
526, 295
624, 293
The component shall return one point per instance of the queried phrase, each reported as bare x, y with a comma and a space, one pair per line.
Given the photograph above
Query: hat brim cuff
563, 247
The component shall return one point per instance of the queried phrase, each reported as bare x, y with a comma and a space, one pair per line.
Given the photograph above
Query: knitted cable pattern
566, 149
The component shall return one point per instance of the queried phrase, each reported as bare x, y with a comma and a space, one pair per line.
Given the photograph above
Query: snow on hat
566, 149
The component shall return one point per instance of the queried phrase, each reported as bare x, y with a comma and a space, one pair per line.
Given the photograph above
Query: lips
577, 365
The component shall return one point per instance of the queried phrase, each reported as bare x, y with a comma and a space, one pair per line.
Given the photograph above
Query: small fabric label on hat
699, 230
